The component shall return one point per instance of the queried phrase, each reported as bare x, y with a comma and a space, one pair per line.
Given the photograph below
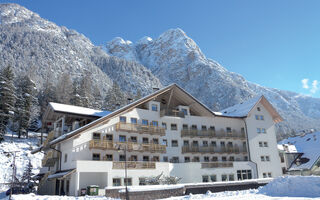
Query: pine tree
138, 95
85, 91
64, 89
25, 100
75, 97
47, 95
7, 98
26, 178
114, 98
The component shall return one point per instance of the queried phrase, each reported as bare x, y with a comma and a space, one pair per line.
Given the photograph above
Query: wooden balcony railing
139, 128
211, 149
216, 164
110, 145
211, 133
49, 160
133, 165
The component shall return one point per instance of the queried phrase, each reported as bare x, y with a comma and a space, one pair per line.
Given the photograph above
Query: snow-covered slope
174, 57
23, 148
44, 50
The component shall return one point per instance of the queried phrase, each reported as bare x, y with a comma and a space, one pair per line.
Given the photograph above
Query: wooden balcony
49, 160
211, 149
216, 165
110, 145
133, 165
172, 113
213, 134
139, 128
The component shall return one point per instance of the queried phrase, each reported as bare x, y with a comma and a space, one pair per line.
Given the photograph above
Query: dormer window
185, 111
258, 109
123, 119
154, 107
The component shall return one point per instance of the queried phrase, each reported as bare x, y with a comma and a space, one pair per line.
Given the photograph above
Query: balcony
212, 149
172, 113
49, 160
216, 165
110, 145
212, 134
133, 165
139, 128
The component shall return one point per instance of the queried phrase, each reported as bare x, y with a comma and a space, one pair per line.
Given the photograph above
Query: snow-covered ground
23, 154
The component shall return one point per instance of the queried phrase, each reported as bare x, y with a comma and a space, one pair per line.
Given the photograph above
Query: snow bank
293, 186
151, 188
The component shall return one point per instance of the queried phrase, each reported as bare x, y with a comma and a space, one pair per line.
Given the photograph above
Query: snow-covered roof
241, 109
58, 107
309, 145
287, 148
61, 174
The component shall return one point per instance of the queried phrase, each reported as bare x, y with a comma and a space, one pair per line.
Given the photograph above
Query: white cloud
314, 88
305, 83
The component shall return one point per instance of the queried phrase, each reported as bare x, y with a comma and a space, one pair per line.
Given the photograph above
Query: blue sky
272, 43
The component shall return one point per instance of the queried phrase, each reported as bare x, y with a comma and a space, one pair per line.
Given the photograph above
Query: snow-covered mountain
44, 50
174, 57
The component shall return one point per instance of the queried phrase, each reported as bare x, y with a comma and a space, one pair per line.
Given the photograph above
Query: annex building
168, 132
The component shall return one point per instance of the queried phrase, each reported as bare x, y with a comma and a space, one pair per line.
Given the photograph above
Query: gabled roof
243, 109
78, 110
173, 90
309, 146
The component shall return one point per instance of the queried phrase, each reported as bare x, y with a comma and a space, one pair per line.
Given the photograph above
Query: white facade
184, 147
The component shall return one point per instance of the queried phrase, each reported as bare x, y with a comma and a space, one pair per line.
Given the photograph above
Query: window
175, 159
145, 122
185, 111
244, 174
185, 127
133, 139
260, 144
95, 156
109, 137
205, 178
205, 143
224, 177
265, 144
284, 171
194, 127
245, 158
214, 159
127, 181
186, 159
155, 158
257, 117
264, 175
134, 158
203, 128
261, 117
267, 158
122, 138
213, 178
96, 136
155, 141
165, 159
263, 130
116, 182
154, 107
154, 123
229, 130
165, 142
174, 143
195, 143
242, 130
164, 125
269, 175
231, 177
142, 181
185, 143
213, 143
174, 127
206, 159
122, 157
258, 130
212, 128
258, 109
224, 158
145, 158
133, 120
231, 158
65, 157
281, 157
145, 140
123, 119
196, 159
262, 158
222, 144
108, 157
